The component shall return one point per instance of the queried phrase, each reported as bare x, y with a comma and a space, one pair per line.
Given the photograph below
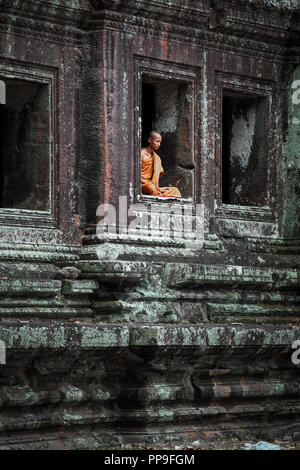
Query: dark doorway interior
167, 108
244, 149
25, 146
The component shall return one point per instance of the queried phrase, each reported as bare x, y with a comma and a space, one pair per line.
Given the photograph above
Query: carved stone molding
61, 379
261, 26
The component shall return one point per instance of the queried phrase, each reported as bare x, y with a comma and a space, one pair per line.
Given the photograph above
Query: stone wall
117, 338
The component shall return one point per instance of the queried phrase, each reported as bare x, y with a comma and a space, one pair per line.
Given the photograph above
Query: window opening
167, 107
244, 149
25, 146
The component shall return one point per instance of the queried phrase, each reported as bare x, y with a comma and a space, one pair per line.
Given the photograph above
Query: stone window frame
261, 88
44, 76
163, 70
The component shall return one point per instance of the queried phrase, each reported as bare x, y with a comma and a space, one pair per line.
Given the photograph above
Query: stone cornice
247, 16
278, 6
204, 37
253, 24
45, 19
271, 22
72, 14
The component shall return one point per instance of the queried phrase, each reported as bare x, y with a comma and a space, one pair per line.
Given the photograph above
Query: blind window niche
244, 148
25, 146
167, 106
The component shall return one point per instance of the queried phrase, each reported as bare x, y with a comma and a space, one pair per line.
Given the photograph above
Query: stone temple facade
113, 337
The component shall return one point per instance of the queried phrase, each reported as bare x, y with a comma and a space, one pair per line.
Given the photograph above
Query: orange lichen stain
77, 220
164, 49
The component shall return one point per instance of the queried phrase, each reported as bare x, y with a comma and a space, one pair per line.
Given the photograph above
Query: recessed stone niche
244, 149
167, 107
25, 146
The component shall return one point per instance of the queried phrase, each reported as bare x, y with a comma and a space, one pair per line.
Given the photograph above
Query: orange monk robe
151, 171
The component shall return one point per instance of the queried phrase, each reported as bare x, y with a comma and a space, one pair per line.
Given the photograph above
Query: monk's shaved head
154, 134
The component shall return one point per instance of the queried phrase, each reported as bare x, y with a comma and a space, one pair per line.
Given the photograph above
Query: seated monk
152, 169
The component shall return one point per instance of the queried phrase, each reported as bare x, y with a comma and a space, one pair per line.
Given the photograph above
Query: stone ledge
63, 336
38, 252
85, 336
24, 287
181, 276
